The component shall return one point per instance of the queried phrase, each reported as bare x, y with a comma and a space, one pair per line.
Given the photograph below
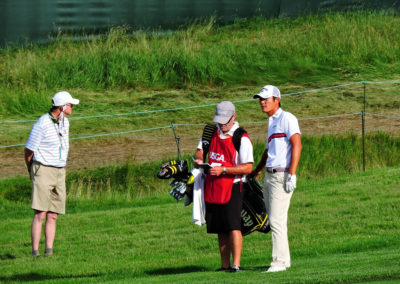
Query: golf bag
253, 214
182, 183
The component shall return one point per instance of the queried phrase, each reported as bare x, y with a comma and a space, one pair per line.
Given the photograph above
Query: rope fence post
177, 138
363, 126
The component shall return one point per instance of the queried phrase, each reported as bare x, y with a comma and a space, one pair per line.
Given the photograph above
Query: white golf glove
290, 183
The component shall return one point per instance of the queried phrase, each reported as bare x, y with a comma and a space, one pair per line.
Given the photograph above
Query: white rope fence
207, 105
130, 132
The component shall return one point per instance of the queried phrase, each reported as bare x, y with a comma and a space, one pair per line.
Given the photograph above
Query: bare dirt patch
95, 152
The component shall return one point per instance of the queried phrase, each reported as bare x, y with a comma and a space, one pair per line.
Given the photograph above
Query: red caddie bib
218, 189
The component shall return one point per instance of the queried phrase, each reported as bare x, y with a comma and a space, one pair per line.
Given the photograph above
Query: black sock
48, 251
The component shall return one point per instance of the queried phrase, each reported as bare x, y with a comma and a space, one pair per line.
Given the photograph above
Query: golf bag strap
237, 138
208, 132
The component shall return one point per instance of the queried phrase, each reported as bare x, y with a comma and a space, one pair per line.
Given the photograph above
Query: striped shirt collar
52, 117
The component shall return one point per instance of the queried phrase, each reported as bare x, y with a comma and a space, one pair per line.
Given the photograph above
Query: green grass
122, 226
310, 51
321, 157
332, 155
129, 71
341, 230
322, 103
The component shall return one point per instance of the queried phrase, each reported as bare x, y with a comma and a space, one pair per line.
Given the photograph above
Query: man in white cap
46, 155
280, 158
223, 191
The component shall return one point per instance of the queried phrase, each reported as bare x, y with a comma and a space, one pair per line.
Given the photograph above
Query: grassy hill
341, 230
304, 52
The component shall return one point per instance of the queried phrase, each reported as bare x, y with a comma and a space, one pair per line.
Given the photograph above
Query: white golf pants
277, 202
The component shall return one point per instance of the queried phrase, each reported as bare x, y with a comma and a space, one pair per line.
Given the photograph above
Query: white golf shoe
275, 269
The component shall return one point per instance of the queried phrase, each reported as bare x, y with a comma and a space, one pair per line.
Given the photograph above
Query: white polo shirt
49, 141
245, 154
281, 126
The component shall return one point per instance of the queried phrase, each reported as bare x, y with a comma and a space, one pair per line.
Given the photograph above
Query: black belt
47, 165
277, 170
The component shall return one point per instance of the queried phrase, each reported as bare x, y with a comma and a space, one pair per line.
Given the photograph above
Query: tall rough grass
321, 157
125, 182
328, 47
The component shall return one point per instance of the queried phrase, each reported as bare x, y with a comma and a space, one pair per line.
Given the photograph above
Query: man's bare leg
236, 240
36, 230
50, 231
225, 250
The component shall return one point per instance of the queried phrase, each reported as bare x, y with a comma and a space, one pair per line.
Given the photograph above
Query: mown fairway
340, 229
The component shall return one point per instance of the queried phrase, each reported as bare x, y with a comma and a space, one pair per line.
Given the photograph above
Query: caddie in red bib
223, 192
218, 189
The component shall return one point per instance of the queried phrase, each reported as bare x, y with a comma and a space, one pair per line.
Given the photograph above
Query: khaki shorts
48, 188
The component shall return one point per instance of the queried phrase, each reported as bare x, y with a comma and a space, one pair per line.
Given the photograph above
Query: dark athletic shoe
234, 269
48, 252
35, 253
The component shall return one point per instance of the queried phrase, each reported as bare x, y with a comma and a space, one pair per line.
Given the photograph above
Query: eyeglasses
71, 105
228, 121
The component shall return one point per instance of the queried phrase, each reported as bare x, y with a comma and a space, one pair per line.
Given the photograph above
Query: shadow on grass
37, 276
7, 256
255, 268
176, 270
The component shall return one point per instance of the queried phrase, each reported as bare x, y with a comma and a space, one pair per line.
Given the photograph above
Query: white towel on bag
199, 206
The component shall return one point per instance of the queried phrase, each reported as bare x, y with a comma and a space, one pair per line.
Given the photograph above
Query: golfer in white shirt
280, 159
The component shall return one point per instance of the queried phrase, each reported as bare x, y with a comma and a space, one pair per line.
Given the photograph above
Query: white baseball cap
63, 98
268, 91
225, 111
